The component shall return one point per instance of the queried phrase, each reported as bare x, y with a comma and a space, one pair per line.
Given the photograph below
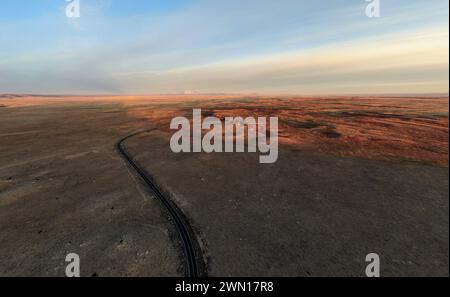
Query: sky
217, 46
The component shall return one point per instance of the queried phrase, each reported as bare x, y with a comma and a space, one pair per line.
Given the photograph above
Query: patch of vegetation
433, 115
309, 124
331, 132
366, 113
208, 113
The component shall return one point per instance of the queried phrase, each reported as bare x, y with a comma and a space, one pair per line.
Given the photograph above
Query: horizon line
433, 94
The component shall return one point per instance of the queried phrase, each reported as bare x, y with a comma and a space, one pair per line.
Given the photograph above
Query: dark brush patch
330, 132
304, 124
370, 114
208, 113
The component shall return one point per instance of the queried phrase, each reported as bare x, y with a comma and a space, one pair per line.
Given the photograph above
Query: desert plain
355, 175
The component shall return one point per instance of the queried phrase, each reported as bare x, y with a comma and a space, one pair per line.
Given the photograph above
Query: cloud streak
399, 61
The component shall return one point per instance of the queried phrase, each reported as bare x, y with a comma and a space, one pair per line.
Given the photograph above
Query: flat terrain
355, 176
64, 189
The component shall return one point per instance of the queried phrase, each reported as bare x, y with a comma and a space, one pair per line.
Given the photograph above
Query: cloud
411, 61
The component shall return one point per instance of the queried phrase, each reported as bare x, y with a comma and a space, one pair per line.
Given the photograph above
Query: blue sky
266, 46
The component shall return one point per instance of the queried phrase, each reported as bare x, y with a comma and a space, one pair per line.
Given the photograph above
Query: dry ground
355, 176
64, 189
